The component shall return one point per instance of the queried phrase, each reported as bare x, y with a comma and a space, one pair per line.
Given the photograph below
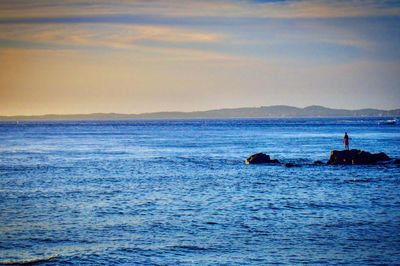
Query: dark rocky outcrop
356, 157
319, 163
397, 161
290, 165
260, 158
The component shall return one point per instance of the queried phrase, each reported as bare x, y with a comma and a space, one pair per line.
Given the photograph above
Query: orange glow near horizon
136, 56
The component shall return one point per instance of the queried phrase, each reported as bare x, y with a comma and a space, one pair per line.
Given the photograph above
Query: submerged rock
289, 165
319, 163
397, 161
260, 158
356, 157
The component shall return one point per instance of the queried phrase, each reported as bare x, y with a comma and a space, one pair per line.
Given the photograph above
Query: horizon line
188, 112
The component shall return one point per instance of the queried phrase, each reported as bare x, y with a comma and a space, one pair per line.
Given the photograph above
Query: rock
381, 157
397, 161
356, 157
289, 165
318, 163
342, 157
260, 158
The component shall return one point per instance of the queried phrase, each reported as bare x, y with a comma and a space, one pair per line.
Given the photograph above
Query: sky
69, 57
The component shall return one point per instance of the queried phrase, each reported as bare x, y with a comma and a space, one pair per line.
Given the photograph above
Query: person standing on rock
346, 141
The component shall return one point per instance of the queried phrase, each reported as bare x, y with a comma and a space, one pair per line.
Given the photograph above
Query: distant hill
276, 111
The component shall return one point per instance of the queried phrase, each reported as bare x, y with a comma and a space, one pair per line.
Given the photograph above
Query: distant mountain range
276, 111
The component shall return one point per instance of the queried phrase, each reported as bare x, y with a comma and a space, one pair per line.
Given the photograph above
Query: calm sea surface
177, 192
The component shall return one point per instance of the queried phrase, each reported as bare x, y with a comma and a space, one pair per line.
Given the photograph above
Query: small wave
28, 261
188, 247
362, 180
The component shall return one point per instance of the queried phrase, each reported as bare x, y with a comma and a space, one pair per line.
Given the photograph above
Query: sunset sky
69, 57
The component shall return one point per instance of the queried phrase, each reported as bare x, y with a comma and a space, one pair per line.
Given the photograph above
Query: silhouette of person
346, 141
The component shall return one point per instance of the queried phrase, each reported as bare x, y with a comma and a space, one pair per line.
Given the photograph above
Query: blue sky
144, 56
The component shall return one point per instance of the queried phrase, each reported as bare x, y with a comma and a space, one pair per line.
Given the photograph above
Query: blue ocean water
178, 193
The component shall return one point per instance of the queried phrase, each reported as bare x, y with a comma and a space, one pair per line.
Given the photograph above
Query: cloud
149, 55
242, 27
104, 35
208, 30
196, 8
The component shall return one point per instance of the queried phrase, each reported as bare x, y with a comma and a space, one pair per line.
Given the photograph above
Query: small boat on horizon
388, 122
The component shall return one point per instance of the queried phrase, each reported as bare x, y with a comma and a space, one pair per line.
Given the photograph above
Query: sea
177, 192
